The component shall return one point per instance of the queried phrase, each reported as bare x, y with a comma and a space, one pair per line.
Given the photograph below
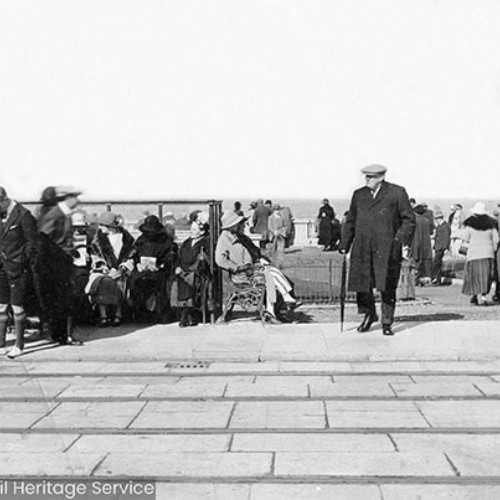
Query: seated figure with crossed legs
236, 253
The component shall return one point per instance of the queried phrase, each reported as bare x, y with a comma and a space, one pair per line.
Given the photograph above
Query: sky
222, 99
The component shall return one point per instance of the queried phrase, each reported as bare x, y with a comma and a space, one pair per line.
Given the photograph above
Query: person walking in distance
442, 241
18, 244
380, 222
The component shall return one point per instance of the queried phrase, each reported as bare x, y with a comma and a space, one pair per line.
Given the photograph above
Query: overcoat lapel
14, 215
380, 195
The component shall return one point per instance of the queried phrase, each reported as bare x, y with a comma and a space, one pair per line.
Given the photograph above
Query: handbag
463, 249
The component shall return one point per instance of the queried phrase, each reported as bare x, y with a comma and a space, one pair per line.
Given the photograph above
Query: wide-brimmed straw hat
230, 219
151, 224
479, 209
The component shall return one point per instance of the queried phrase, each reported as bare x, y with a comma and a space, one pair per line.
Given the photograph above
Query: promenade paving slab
313, 442
461, 414
36, 443
450, 379
390, 366
428, 390
186, 465
139, 379
147, 443
447, 443
95, 415
45, 464
372, 379
362, 464
102, 391
268, 388
12, 381
367, 390
46, 391
374, 414
184, 415
472, 455
314, 492
439, 492
64, 381
489, 388
317, 366
279, 415
22, 415
214, 390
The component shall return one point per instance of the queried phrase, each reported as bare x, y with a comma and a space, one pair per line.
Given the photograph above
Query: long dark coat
18, 242
377, 228
326, 215
421, 247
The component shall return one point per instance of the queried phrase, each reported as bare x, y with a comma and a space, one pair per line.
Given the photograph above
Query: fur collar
480, 222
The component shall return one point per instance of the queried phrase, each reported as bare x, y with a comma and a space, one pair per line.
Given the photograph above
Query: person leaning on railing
236, 253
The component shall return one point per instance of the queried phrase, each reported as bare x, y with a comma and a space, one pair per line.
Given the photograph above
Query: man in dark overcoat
54, 268
442, 242
18, 244
260, 220
380, 222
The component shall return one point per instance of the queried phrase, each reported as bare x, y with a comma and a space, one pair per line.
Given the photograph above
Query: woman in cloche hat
111, 253
481, 234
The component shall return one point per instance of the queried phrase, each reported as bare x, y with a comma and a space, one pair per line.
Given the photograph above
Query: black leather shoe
367, 322
387, 330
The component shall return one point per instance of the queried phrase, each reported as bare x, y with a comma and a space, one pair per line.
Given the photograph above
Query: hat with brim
230, 219
64, 191
479, 209
151, 225
438, 214
108, 219
374, 170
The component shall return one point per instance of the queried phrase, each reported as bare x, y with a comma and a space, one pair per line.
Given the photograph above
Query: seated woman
111, 252
191, 291
155, 252
236, 253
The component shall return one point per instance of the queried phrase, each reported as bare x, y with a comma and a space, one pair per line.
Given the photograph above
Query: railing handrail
134, 202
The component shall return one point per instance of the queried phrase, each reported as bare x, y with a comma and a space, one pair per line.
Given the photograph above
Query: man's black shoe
367, 322
387, 330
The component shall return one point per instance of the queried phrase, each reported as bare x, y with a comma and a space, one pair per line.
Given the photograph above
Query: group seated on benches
148, 279
248, 269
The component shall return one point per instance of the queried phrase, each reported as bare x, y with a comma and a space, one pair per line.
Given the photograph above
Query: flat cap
374, 170
63, 191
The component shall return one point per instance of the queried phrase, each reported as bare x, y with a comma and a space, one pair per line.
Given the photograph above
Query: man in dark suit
380, 222
55, 265
442, 241
18, 244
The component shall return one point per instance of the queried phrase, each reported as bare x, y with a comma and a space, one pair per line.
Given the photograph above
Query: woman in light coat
480, 233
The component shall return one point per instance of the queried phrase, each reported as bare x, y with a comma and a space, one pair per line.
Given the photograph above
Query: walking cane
343, 291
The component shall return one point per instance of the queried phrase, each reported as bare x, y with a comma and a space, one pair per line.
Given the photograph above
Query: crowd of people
65, 266
273, 223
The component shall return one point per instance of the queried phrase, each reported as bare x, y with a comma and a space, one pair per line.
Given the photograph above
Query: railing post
330, 279
160, 212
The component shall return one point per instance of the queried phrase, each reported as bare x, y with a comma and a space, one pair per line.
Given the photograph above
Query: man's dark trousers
366, 304
437, 265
